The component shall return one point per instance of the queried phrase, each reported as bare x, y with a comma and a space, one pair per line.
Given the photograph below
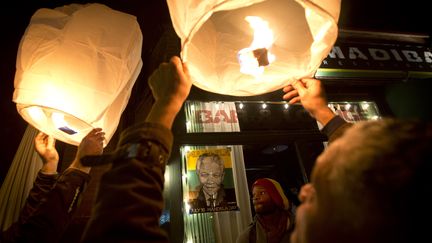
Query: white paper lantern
246, 48
76, 66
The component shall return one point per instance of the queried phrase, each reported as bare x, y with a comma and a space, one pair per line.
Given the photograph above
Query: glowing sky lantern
252, 47
76, 66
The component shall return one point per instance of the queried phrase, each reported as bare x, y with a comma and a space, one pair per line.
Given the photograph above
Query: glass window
216, 116
287, 158
356, 111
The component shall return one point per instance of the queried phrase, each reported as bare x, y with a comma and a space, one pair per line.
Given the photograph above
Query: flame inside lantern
254, 58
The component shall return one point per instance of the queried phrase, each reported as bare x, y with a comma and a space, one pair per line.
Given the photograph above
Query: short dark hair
376, 178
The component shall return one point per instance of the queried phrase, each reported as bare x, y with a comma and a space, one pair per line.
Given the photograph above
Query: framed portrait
210, 180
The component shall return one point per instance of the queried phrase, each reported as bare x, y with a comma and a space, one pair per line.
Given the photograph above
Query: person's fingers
177, 62
178, 66
94, 131
294, 100
99, 134
182, 73
290, 94
41, 136
312, 83
92, 144
299, 86
181, 68
308, 80
155, 75
96, 135
97, 129
100, 137
162, 72
186, 69
50, 142
287, 88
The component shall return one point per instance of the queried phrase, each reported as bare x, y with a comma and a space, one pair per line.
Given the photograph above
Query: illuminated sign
379, 57
209, 116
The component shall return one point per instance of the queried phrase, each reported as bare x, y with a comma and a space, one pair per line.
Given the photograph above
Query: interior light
365, 106
187, 209
188, 125
167, 175
186, 149
37, 114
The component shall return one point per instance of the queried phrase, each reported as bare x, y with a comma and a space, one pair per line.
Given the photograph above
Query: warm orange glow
36, 114
61, 124
58, 120
252, 59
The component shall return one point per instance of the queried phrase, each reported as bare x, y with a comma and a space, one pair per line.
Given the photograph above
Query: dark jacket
129, 202
49, 207
335, 128
255, 232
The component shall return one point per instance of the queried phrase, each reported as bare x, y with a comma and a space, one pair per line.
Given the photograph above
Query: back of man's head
373, 183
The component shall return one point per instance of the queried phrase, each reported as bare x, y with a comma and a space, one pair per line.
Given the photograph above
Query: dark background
388, 16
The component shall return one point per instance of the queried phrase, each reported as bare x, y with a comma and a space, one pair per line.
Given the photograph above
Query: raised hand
45, 147
310, 93
92, 144
170, 85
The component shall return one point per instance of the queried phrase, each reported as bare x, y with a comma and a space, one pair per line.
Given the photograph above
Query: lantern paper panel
76, 66
246, 48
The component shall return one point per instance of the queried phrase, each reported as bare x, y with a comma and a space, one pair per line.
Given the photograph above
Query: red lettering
205, 116
234, 118
216, 118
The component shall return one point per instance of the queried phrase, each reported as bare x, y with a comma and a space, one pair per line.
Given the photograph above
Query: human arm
41, 187
130, 200
310, 93
44, 145
48, 212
